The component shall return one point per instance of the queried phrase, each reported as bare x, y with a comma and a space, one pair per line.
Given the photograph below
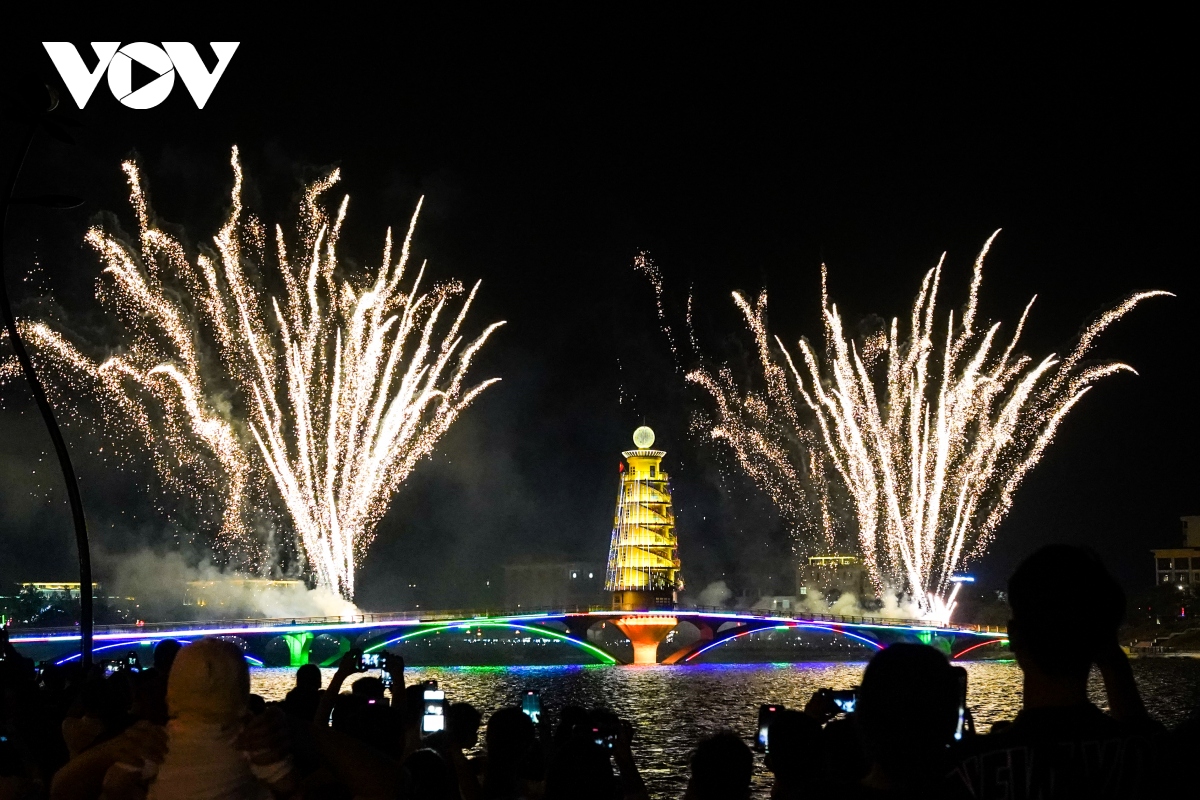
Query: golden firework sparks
320, 402
927, 435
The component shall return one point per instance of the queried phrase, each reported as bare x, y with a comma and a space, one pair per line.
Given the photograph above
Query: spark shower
308, 409
910, 444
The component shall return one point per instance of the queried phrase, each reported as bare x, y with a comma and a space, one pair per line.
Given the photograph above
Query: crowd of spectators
189, 728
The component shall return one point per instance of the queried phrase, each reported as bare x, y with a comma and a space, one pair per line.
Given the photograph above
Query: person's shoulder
1076, 747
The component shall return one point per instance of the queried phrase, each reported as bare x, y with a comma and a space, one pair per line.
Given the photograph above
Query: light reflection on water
671, 708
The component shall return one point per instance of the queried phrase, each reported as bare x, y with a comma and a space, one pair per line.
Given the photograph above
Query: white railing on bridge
467, 615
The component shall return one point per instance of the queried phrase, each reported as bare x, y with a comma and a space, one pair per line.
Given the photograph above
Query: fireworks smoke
311, 407
920, 437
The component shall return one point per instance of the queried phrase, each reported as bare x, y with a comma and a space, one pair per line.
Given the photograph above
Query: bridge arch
978, 645
739, 633
425, 630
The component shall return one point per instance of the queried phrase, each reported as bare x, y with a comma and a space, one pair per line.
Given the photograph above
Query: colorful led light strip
95, 650
962, 653
596, 651
728, 639
130, 636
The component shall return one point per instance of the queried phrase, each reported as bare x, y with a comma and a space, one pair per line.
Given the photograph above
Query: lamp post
35, 385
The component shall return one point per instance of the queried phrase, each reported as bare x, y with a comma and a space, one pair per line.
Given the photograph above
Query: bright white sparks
319, 401
920, 436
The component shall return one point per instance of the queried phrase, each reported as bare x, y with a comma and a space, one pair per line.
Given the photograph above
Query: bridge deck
396, 619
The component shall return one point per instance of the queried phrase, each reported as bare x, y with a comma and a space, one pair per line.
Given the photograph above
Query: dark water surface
671, 708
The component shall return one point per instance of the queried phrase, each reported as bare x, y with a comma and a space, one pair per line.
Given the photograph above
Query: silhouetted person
414, 710
796, 756
430, 776
460, 735
721, 769
302, 701
581, 770
164, 655
906, 715
462, 725
513, 757
370, 688
1060, 744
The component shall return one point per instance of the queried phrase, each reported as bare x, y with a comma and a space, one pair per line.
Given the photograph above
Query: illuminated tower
643, 560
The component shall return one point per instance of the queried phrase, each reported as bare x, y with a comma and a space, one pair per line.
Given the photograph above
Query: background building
833, 575
555, 583
1180, 565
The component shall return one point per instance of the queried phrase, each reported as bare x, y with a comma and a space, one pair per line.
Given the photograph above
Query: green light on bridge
595, 651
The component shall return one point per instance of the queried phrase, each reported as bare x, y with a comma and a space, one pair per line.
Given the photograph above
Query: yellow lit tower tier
643, 559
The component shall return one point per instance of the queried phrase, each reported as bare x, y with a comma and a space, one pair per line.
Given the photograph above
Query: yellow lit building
643, 559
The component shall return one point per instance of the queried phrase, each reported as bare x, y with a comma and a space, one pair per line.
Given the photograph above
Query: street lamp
35, 121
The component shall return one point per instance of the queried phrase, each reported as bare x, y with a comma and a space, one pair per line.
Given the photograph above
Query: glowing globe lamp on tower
643, 560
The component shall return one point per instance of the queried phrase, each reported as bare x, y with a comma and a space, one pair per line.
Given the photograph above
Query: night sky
741, 156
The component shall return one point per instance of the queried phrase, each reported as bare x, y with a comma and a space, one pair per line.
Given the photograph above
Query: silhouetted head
210, 681
164, 654
512, 751
795, 749
509, 734
1045, 585
308, 678
462, 724
721, 768
570, 719
907, 709
370, 687
581, 770
430, 776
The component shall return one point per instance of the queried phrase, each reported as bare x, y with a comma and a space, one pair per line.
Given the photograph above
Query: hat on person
209, 680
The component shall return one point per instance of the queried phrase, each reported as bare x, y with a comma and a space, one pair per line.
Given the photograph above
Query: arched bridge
645, 629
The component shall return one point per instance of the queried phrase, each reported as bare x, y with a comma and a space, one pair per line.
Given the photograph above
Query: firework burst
311, 406
919, 437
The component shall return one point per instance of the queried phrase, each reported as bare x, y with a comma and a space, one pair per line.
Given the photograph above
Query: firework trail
920, 437
319, 402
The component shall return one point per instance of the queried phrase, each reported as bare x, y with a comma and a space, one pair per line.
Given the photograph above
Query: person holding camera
1060, 744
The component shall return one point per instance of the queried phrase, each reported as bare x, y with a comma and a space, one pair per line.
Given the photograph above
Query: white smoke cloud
847, 604
715, 595
160, 582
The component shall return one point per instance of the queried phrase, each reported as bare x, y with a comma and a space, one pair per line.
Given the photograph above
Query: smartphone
132, 663
111, 667
845, 699
961, 728
531, 704
372, 661
765, 714
434, 718
604, 735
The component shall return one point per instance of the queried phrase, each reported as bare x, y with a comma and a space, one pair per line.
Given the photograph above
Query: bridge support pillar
298, 645
646, 634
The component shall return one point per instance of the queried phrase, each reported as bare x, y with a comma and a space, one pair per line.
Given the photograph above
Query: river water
671, 708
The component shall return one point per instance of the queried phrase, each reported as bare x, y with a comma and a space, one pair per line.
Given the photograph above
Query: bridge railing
467, 615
